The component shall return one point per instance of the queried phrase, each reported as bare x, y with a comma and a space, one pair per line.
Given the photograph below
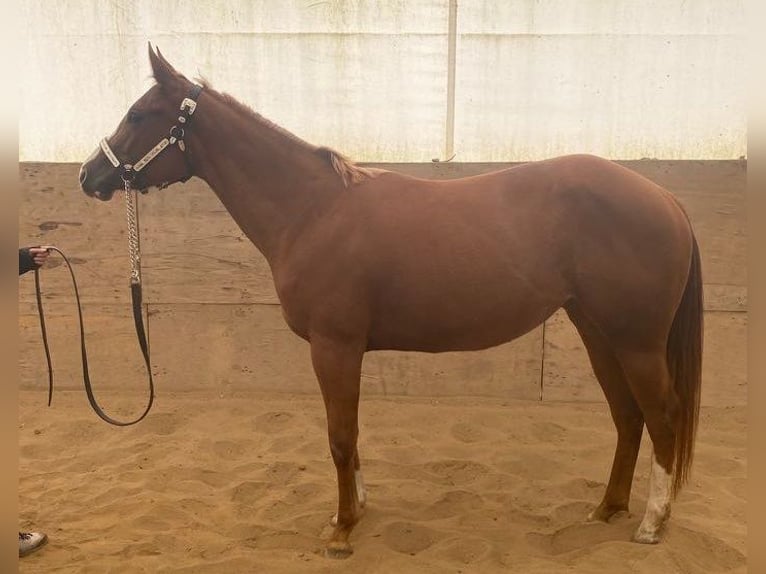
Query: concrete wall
532, 79
215, 322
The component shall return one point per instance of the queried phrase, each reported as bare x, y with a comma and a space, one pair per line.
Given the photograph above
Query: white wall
534, 78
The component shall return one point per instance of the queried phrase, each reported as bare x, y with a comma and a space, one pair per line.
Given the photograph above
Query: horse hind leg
626, 414
650, 380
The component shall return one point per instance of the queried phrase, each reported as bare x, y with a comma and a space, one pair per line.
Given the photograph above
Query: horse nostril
83, 175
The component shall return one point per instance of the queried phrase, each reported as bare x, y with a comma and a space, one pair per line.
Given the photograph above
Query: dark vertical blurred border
756, 183
11, 43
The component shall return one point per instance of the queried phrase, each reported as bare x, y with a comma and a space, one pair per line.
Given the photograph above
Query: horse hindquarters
653, 376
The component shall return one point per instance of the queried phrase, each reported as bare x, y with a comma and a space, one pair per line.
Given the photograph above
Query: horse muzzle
92, 187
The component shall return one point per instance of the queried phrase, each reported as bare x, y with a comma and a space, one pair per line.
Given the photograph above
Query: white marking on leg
361, 492
361, 495
657, 507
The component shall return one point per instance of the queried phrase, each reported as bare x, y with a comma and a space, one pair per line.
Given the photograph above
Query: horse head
147, 149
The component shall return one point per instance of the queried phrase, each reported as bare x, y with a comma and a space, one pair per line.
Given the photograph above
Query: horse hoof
597, 516
606, 514
338, 550
642, 536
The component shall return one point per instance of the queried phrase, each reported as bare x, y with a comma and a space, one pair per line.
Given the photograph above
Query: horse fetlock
349, 520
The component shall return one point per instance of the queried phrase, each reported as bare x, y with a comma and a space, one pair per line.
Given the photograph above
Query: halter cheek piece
129, 172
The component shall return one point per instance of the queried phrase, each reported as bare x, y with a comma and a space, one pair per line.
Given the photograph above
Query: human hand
39, 254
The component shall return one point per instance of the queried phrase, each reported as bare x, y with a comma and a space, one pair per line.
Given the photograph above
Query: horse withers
367, 259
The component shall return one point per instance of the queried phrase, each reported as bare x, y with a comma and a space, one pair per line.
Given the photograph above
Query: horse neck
268, 180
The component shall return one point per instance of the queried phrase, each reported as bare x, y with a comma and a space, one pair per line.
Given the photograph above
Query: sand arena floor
246, 484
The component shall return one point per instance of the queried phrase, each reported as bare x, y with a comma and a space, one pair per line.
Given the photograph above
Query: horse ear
162, 70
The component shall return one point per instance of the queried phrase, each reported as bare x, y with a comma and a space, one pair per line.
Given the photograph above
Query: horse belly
443, 322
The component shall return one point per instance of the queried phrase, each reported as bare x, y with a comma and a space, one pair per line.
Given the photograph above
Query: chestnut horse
368, 259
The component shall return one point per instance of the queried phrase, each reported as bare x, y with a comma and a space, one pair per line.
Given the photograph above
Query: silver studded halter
128, 172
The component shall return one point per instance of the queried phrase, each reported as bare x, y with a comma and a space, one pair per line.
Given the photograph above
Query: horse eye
134, 117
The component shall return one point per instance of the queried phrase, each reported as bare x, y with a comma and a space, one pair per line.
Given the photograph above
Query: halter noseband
128, 172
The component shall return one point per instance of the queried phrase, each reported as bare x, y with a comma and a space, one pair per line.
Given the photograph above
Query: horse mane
349, 172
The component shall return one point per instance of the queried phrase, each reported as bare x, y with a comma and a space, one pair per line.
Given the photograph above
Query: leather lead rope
136, 296
44, 331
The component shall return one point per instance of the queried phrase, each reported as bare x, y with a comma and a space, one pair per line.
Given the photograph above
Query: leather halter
129, 172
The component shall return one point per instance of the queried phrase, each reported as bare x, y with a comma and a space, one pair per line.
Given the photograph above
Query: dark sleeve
26, 263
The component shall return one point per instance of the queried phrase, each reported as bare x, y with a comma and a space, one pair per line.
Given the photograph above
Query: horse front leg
338, 367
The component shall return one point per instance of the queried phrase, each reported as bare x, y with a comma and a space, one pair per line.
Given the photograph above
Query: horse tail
684, 355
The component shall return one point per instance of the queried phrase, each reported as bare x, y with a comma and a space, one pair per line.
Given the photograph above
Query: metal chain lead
133, 241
